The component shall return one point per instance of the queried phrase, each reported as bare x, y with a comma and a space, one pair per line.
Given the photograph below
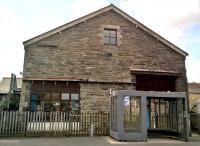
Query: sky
176, 20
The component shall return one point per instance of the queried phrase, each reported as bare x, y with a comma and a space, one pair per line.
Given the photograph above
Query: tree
13, 103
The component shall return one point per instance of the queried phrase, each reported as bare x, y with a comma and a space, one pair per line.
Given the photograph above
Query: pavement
95, 141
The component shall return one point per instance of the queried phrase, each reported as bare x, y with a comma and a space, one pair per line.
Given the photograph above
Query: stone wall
193, 97
78, 53
95, 97
194, 92
25, 95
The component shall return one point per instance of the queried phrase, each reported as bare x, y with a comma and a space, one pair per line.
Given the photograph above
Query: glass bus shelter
136, 115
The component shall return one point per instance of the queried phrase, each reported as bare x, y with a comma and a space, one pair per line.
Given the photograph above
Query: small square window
110, 36
74, 96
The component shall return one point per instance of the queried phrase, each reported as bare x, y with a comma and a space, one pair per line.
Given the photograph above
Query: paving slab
90, 141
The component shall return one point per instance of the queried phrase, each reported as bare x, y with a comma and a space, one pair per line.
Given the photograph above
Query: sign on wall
126, 100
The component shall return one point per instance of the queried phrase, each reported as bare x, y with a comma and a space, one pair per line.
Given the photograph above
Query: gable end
98, 12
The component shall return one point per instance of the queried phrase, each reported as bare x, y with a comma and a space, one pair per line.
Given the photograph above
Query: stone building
194, 93
75, 66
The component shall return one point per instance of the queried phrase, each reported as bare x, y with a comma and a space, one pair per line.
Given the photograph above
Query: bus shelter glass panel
114, 113
158, 113
180, 117
132, 114
165, 116
177, 117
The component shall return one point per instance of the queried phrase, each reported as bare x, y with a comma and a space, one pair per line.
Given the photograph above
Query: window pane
113, 41
65, 96
55, 105
65, 105
75, 105
110, 36
55, 97
46, 106
74, 96
106, 33
44, 96
113, 33
132, 113
39, 100
106, 40
43, 103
